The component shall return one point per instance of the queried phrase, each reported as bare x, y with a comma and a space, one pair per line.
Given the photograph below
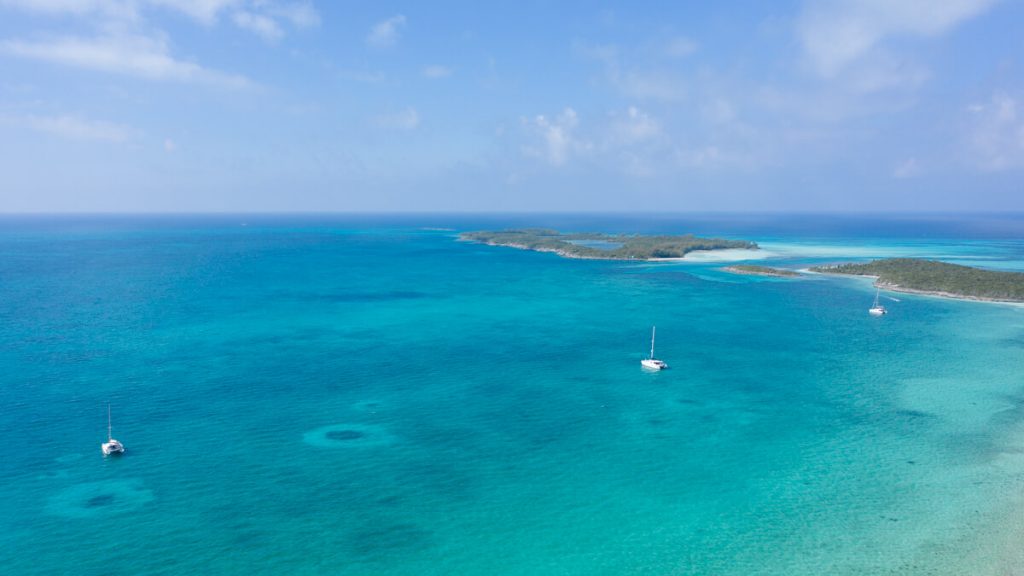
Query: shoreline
941, 294
770, 273
934, 293
561, 253
565, 254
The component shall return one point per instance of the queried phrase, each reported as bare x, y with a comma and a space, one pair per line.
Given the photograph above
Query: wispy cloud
204, 11
635, 143
121, 10
363, 76
680, 47
699, 156
130, 55
131, 46
72, 127
558, 140
300, 14
634, 127
259, 24
436, 71
407, 119
997, 133
634, 81
386, 33
909, 168
836, 33
650, 85
262, 17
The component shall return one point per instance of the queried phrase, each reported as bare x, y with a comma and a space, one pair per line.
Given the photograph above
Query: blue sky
279, 105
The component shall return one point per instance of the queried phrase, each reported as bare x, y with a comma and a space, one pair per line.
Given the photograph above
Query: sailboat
877, 309
652, 363
111, 447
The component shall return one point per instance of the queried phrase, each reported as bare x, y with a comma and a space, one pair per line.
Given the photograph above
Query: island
754, 270
922, 276
599, 246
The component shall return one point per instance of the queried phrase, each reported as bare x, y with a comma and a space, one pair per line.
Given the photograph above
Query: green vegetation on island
939, 278
755, 270
600, 246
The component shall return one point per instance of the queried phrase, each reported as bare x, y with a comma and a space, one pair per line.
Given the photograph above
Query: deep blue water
366, 395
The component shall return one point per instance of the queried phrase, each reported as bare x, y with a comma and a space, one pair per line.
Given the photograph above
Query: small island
598, 246
921, 276
754, 270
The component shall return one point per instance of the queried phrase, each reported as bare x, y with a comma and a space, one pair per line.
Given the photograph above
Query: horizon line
258, 213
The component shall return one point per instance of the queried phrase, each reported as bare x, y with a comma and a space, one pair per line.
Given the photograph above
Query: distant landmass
598, 246
755, 270
938, 278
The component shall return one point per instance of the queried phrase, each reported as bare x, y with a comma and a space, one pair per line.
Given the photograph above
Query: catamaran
877, 309
653, 363
111, 446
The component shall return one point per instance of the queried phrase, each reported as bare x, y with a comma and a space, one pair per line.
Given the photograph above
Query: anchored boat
111, 447
652, 363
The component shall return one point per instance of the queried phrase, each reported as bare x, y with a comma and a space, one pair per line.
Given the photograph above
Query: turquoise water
366, 396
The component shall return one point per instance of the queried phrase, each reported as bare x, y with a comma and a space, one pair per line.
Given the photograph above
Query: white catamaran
653, 363
111, 447
877, 309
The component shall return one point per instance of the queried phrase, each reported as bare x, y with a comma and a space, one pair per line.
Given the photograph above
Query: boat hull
651, 364
112, 448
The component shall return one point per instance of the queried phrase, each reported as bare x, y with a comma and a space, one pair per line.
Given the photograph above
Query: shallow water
357, 396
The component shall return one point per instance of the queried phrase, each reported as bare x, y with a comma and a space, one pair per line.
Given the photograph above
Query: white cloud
300, 14
640, 84
558, 140
437, 71
386, 33
835, 33
633, 127
263, 26
77, 128
130, 55
258, 16
909, 168
204, 11
631, 142
997, 133
132, 47
407, 119
121, 10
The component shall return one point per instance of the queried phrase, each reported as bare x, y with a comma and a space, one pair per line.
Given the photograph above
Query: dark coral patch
101, 500
345, 435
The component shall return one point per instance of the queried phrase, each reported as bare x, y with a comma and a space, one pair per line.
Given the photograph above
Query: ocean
366, 395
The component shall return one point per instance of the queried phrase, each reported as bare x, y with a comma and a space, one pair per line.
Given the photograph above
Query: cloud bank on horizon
236, 105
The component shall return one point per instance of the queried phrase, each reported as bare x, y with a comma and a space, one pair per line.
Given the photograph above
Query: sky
296, 105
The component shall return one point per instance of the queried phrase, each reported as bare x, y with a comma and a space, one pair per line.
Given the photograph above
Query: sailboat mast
653, 328
109, 434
